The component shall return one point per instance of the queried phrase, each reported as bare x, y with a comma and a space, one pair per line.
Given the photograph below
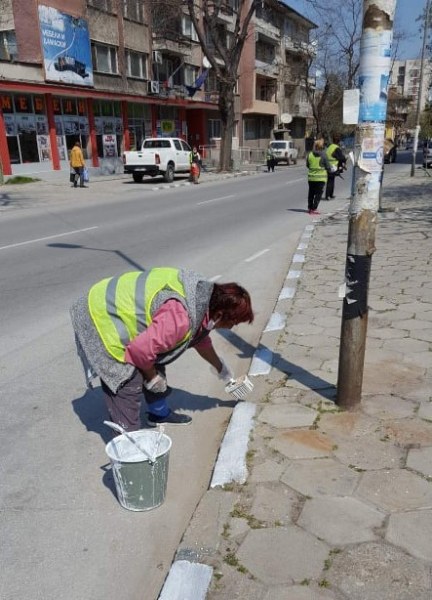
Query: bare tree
223, 53
222, 48
340, 30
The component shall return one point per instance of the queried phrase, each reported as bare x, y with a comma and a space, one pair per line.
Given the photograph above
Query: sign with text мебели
66, 47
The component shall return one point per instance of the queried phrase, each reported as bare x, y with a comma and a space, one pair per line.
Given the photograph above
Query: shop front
38, 131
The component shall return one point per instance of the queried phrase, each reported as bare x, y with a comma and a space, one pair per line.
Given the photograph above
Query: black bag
72, 177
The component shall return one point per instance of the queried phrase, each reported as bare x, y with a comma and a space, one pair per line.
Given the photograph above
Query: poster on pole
351, 107
66, 48
375, 54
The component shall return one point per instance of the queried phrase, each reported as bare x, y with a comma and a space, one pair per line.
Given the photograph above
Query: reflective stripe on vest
316, 171
121, 307
329, 152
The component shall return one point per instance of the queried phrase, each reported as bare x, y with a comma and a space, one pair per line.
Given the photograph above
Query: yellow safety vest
122, 307
316, 171
332, 160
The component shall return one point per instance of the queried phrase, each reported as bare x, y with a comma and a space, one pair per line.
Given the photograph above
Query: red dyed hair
233, 301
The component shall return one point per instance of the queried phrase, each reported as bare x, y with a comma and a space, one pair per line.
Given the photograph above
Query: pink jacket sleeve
169, 326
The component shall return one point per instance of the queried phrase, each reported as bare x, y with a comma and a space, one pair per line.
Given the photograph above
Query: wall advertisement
66, 47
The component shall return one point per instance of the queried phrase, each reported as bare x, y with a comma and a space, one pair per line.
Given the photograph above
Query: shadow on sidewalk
285, 367
91, 410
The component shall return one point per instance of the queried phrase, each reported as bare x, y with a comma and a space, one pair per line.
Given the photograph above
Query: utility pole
375, 50
420, 92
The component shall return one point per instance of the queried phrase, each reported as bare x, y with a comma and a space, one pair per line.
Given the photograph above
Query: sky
405, 20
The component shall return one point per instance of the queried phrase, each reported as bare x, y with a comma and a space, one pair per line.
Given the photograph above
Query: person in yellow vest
77, 163
337, 160
128, 328
318, 168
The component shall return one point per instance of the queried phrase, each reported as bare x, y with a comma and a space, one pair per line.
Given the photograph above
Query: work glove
225, 374
157, 385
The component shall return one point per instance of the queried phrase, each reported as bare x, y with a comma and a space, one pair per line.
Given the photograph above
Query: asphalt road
63, 533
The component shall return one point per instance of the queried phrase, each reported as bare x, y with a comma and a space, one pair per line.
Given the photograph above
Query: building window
188, 30
136, 64
214, 128
190, 75
8, 45
133, 10
104, 58
103, 5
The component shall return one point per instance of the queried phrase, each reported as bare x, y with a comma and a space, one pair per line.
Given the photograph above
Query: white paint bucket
140, 484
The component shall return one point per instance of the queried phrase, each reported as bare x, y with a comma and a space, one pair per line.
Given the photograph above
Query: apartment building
111, 72
405, 79
90, 70
272, 78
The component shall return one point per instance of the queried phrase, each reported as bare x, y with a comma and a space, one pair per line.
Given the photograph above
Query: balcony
267, 69
294, 45
180, 47
297, 108
302, 109
262, 107
266, 31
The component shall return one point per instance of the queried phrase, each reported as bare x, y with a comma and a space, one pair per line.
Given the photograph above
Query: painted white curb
231, 462
276, 322
186, 581
261, 362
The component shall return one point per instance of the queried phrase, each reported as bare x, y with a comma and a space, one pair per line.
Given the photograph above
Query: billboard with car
66, 48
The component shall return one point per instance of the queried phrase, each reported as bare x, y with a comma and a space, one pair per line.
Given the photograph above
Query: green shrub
20, 179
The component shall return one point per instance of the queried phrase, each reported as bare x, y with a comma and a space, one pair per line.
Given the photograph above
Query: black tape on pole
357, 282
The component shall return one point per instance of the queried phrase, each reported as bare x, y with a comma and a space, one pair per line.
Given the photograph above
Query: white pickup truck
158, 156
284, 151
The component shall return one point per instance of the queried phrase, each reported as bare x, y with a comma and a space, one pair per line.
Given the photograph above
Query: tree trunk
226, 108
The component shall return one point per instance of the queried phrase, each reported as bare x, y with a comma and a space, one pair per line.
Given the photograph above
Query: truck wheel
137, 177
169, 174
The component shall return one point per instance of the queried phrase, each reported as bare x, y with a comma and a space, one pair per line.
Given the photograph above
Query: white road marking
257, 255
215, 277
49, 237
215, 199
295, 181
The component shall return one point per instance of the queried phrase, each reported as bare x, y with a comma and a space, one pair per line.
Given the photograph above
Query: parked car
427, 153
284, 151
390, 151
158, 156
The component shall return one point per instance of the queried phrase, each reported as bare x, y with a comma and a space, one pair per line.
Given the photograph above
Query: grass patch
20, 179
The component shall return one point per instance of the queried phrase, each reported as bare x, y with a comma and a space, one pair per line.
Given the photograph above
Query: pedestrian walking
77, 164
129, 327
271, 161
318, 168
337, 160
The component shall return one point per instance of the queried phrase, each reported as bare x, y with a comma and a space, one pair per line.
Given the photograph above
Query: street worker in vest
337, 160
318, 168
129, 327
270, 159
195, 165
77, 164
